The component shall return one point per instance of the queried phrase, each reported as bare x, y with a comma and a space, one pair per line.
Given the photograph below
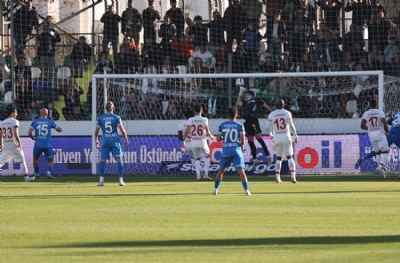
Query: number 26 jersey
197, 131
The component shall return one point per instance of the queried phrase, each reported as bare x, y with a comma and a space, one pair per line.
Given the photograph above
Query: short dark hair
279, 104
373, 103
10, 110
188, 113
197, 108
232, 112
104, 52
250, 92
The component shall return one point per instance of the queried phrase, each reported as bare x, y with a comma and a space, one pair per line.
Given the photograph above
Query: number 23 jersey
197, 131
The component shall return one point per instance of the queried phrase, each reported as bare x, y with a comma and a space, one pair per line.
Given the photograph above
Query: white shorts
283, 148
189, 151
200, 152
380, 145
16, 155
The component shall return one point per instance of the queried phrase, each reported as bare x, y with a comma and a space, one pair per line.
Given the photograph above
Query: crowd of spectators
295, 42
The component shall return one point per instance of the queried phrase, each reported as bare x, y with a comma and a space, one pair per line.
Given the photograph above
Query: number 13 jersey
281, 121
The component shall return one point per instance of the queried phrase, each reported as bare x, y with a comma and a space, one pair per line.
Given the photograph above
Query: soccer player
10, 143
231, 133
251, 124
394, 137
197, 128
42, 138
279, 126
109, 124
374, 122
181, 129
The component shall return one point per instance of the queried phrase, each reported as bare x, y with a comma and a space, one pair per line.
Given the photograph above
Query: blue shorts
48, 152
114, 150
234, 156
394, 138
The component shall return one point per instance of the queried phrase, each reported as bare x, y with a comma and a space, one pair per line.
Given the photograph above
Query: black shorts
252, 126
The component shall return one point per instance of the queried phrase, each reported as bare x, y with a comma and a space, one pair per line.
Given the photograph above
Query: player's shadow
311, 240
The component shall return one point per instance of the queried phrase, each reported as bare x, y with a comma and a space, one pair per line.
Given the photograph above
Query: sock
24, 169
264, 146
206, 161
370, 155
292, 167
36, 170
101, 171
378, 159
278, 169
245, 185
384, 159
50, 169
253, 149
120, 167
197, 167
216, 184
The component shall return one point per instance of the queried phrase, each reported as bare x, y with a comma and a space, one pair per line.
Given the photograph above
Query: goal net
326, 107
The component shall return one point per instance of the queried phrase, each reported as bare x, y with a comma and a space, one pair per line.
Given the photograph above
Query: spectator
332, 13
77, 114
155, 106
266, 65
53, 113
32, 111
303, 22
149, 17
4, 70
21, 71
363, 61
253, 38
131, 23
80, 57
150, 53
297, 43
129, 103
110, 32
104, 65
141, 112
287, 66
25, 19
189, 24
360, 81
172, 113
199, 33
72, 94
149, 85
208, 60
22, 98
42, 89
353, 37
47, 22
177, 17
217, 33
240, 59
375, 8
382, 64
309, 11
330, 50
222, 55
47, 48
305, 65
396, 65
321, 67
183, 48
373, 55
378, 31
357, 53
276, 35
360, 14
391, 49
236, 19
167, 32
125, 63
348, 61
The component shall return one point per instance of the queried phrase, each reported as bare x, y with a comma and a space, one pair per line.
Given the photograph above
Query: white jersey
182, 127
374, 123
197, 131
206, 57
7, 127
280, 123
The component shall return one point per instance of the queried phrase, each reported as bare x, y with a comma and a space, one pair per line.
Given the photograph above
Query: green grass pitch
325, 218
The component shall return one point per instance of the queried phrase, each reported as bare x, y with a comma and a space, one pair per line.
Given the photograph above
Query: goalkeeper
251, 125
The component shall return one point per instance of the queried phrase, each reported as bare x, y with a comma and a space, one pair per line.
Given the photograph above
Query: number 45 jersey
42, 127
281, 121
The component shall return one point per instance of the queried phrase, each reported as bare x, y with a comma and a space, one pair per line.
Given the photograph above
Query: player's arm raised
123, 132
267, 107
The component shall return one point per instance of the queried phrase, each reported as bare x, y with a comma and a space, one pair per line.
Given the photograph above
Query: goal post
253, 82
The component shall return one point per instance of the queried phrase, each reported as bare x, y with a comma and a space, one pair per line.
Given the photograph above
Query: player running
42, 127
374, 121
394, 137
231, 133
251, 124
109, 124
279, 126
10, 143
198, 130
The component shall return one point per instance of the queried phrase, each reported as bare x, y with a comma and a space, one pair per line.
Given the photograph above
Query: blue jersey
109, 123
42, 127
230, 131
395, 129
